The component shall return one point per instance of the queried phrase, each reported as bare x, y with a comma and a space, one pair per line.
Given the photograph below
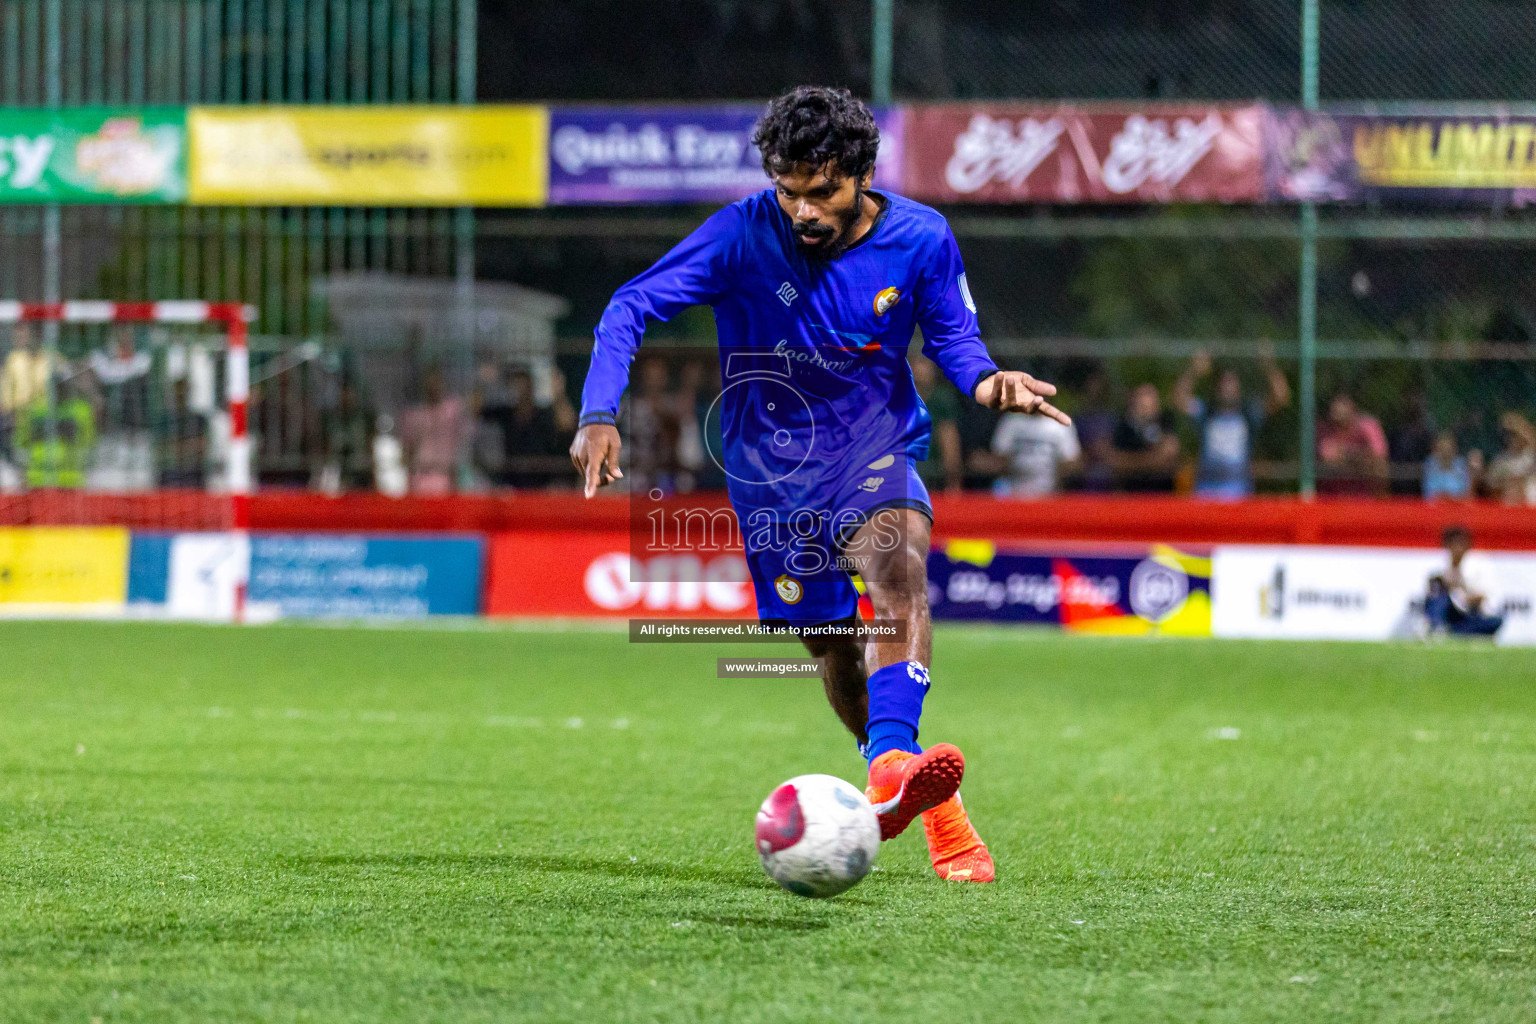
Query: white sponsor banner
205, 572
1337, 593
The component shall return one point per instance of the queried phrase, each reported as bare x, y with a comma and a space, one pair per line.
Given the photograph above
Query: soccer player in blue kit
817, 285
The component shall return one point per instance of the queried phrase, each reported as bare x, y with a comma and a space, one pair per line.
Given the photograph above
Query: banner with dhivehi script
368, 156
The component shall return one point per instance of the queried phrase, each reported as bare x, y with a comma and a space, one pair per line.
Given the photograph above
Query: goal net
125, 414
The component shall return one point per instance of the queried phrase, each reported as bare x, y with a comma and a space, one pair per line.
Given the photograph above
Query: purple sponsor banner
672, 154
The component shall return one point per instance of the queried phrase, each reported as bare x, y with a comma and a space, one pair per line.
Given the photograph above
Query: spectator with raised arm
1512, 474
1228, 425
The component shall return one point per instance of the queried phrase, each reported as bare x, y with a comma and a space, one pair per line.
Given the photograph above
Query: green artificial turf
288, 823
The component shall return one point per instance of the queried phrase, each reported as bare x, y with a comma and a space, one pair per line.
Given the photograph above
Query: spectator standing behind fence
124, 456
944, 468
1449, 474
1512, 473
1035, 452
1228, 426
1351, 450
1463, 596
1095, 421
661, 458
1145, 445
57, 458
185, 461
432, 435
534, 437
346, 438
23, 376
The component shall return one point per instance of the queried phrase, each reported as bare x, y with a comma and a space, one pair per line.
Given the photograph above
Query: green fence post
880, 57
1308, 284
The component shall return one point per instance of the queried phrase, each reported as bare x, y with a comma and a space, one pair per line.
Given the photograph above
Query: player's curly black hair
819, 126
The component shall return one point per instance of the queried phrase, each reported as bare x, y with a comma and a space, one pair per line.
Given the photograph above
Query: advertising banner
585, 573
1433, 158
1335, 593
1159, 591
93, 155
673, 154
68, 569
340, 576
1064, 153
368, 156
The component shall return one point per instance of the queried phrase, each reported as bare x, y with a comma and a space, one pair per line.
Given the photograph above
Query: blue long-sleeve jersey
812, 353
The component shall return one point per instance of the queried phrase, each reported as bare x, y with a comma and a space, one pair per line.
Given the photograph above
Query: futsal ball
817, 835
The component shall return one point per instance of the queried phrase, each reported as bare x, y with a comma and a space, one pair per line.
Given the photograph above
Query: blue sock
896, 695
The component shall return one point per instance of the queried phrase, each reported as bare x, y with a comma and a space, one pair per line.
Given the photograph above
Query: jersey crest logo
787, 293
789, 589
885, 300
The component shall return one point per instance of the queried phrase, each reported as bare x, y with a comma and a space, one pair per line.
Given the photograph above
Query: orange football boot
957, 852
903, 785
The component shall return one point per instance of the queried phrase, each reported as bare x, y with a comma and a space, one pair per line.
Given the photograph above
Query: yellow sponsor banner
368, 156
66, 565
1449, 153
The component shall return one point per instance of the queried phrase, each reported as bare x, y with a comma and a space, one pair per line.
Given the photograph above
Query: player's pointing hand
596, 455
1017, 391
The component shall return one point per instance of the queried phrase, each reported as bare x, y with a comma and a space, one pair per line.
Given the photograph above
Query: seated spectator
432, 434
1512, 473
1351, 450
1035, 452
1145, 447
944, 468
1227, 428
1462, 596
1448, 474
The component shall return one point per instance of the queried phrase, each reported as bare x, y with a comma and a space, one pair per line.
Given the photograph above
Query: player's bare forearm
595, 453
1017, 391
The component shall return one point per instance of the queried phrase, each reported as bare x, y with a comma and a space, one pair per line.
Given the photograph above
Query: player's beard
837, 236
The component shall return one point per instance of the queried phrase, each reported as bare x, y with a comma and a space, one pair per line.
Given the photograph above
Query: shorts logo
872, 484
885, 300
787, 293
789, 589
965, 294
883, 462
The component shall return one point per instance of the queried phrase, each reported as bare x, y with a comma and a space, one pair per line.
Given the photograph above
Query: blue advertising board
672, 154
345, 576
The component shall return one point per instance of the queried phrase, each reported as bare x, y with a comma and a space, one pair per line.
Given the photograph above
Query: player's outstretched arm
1017, 391
596, 455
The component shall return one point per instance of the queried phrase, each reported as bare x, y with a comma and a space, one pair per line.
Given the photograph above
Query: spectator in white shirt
1035, 453
1462, 596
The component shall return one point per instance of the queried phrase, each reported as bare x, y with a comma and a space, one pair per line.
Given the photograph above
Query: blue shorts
796, 554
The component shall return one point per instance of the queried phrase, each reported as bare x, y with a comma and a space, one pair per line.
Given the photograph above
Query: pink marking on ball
780, 823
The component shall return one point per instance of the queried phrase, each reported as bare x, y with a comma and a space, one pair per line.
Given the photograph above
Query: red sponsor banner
1068, 153
592, 573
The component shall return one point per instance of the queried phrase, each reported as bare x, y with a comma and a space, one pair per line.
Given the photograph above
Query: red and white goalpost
229, 508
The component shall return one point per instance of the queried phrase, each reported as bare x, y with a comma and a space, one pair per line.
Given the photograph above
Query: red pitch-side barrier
1076, 518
